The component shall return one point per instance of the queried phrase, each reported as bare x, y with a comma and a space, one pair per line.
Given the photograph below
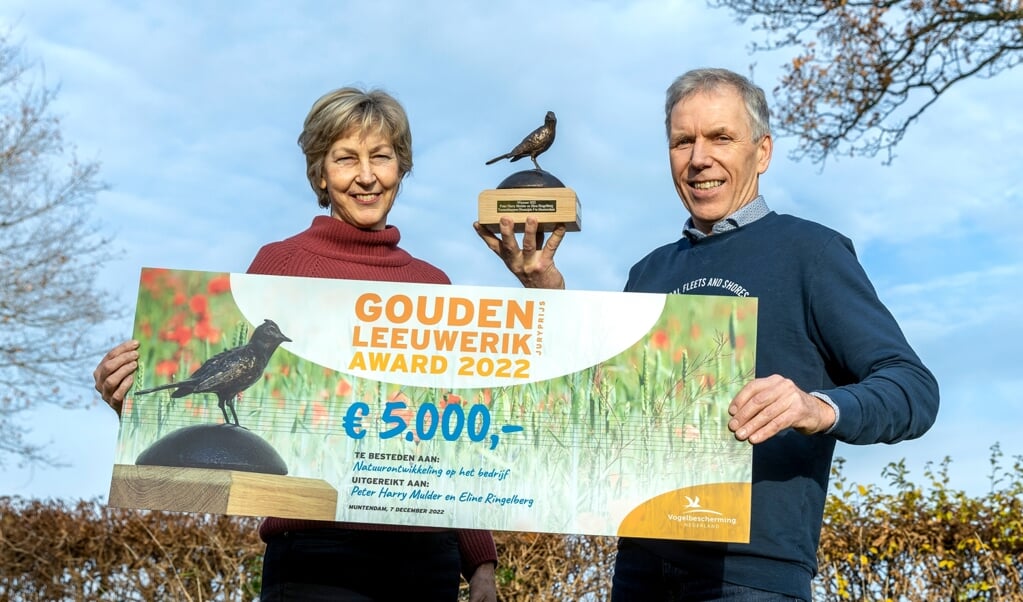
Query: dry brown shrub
52, 551
923, 543
906, 544
542, 566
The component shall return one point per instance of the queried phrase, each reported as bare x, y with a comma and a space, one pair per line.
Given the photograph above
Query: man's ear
764, 149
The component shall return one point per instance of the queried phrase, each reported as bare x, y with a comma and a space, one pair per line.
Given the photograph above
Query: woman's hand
533, 262
115, 373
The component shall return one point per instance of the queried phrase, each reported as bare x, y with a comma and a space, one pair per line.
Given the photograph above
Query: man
832, 364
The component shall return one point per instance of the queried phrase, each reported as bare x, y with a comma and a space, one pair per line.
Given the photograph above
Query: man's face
714, 160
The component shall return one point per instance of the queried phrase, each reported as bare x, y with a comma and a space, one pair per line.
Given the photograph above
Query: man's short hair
704, 80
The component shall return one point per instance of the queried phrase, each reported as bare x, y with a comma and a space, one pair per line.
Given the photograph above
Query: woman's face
361, 178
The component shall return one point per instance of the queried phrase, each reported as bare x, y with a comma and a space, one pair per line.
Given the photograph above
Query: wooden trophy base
550, 207
215, 491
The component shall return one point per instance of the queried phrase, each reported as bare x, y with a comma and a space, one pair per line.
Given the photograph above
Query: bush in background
907, 543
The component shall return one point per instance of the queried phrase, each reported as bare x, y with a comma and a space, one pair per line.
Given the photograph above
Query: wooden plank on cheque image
221, 492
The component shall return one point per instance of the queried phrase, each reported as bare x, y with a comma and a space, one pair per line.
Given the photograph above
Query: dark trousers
361, 566
642, 576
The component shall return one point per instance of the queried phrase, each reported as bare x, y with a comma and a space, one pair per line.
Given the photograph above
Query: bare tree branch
865, 70
50, 254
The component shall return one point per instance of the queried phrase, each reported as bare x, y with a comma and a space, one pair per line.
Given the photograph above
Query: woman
358, 148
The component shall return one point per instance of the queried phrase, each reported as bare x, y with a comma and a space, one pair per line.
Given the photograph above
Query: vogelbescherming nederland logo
696, 515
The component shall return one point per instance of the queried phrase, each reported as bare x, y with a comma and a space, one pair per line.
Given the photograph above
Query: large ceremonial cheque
451, 406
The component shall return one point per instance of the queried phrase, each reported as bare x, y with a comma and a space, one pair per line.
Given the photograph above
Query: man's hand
533, 264
766, 406
482, 586
114, 374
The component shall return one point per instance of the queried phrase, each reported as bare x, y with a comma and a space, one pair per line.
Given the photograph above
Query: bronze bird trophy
533, 192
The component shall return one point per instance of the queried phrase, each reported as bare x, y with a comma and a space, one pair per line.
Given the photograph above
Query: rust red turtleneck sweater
331, 248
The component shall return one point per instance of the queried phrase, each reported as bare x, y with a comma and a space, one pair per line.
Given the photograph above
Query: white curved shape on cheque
579, 329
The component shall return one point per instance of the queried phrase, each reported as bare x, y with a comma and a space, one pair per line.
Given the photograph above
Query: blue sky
193, 109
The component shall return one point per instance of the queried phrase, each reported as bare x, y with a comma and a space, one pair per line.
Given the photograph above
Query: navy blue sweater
822, 325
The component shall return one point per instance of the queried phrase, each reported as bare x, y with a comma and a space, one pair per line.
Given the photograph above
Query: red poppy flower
688, 432
485, 397
448, 399
320, 414
150, 281
198, 304
205, 331
219, 285
166, 368
181, 335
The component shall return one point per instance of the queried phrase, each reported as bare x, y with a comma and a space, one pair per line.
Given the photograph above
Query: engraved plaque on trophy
533, 192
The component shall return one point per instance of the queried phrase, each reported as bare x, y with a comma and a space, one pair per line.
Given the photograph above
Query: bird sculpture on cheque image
230, 372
